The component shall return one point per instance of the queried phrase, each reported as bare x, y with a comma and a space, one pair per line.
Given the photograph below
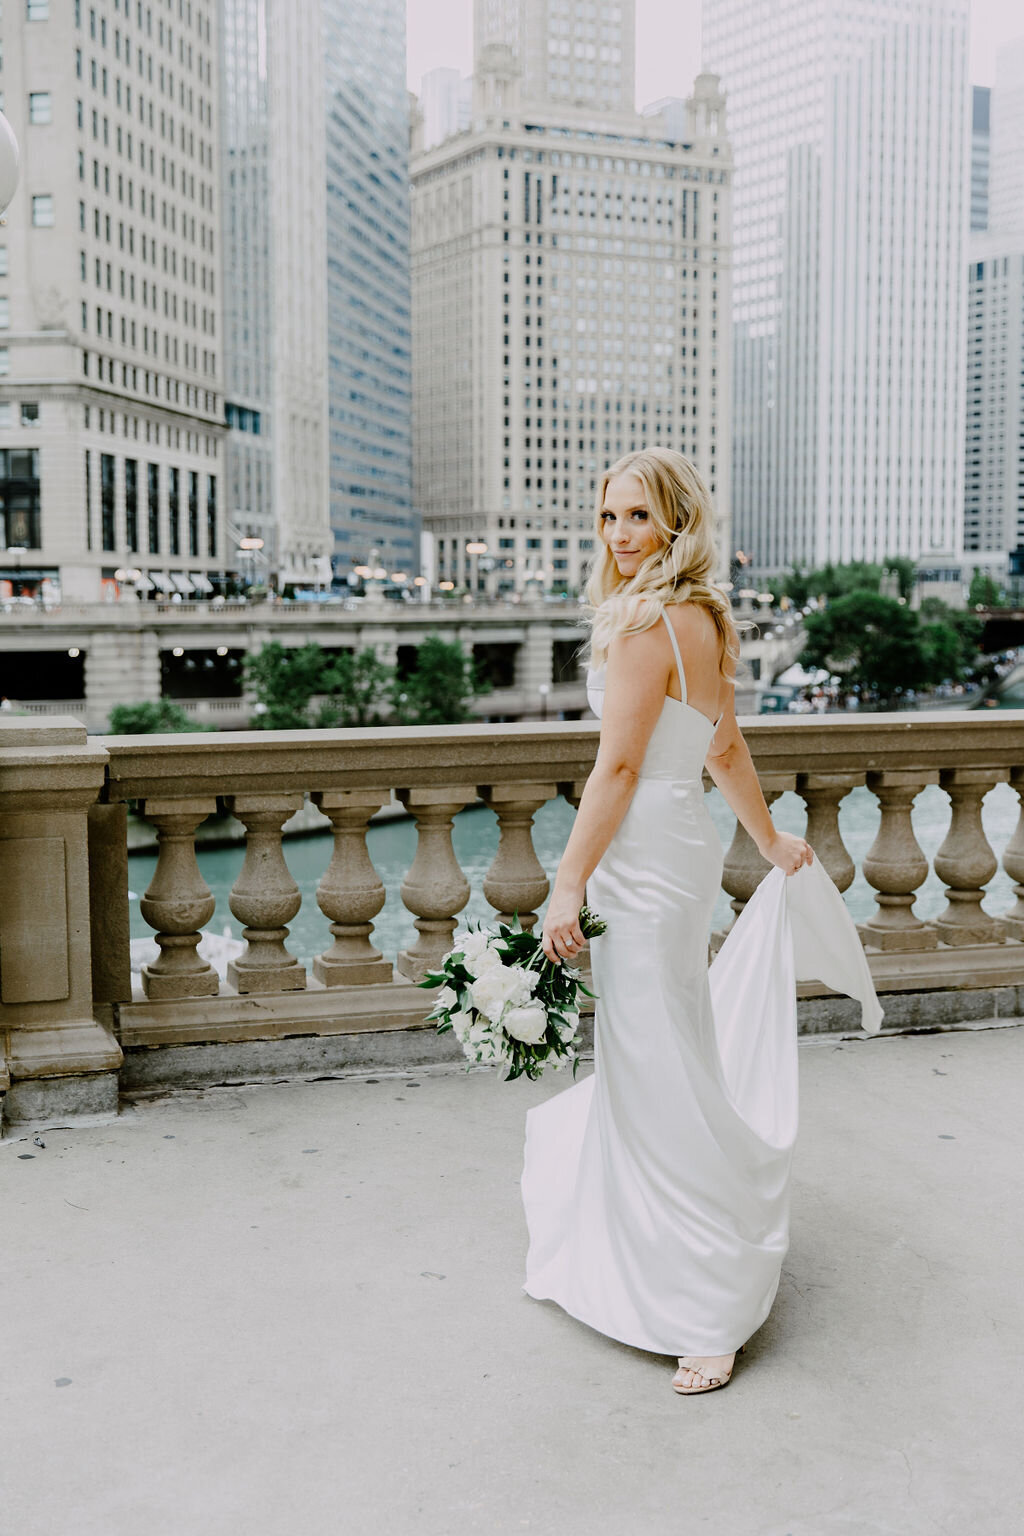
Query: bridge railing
68, 1000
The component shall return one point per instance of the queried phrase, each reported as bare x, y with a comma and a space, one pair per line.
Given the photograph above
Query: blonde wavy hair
679, 570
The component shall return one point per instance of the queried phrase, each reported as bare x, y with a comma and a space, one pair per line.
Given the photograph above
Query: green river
393, 844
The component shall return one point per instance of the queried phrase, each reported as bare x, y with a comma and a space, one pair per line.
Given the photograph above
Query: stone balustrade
62, 793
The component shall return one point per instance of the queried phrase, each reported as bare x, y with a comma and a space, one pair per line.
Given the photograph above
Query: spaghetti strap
679, 659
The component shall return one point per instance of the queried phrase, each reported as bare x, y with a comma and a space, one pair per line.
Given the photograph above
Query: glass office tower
850, 127
368, 304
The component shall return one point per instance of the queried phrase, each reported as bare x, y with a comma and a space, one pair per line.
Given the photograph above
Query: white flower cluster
501, 993
498, 1005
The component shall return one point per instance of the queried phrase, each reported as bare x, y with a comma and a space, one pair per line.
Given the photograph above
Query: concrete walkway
295, 1310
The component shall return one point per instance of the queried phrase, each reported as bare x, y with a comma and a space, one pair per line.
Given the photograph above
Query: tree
303, 686
905, 571
966, 626
441, 687
151, 719
873, 643
984, 592
283, 681
358, 690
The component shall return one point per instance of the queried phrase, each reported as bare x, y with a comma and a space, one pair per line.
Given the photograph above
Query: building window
193, 513
19, 498
211, 516
42, 211
107, 501
88, 498
37, 10
3, 261
5, 360
153, 496
131, 504
174, 510
29, 412
40, 109
5, 314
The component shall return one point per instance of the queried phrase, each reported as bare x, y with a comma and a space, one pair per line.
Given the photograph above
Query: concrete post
534, 665
122, 666
59, 1057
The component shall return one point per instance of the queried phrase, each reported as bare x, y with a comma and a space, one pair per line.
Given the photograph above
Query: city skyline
441, 35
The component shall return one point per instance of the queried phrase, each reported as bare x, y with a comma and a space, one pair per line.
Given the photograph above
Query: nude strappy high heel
711, 1381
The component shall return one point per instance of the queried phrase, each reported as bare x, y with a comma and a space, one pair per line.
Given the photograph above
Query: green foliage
283, 680
151, 719
905, 571
358, 689
885, 649
349, 690
441, 688
984, 591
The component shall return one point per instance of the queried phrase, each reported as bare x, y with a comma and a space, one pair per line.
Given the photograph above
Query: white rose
488, 960
446, 998
526, 1024
461, 1024
472, 945
493, 990
567, 1030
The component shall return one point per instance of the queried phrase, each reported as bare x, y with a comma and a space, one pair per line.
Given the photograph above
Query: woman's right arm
732, 770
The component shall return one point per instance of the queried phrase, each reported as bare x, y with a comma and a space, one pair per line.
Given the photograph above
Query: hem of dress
636, 1343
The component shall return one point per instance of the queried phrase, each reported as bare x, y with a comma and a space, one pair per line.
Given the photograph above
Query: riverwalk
295, 1310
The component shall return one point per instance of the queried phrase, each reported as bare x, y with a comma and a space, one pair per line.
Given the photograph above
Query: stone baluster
821, 793
966, 862
516, 882
435, 888
265, 898
351, 892
1013, 863
895, 865
744, 868
178, 902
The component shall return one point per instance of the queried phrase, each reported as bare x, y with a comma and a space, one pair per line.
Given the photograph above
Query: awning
143, 583
160, 581
181, 584
199, 582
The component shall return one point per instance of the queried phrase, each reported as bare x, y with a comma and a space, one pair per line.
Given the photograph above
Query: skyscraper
571, 292
446, 100
1006, 175
111, 415
981, 98
994, 492
849, 123
575, 53
368, 321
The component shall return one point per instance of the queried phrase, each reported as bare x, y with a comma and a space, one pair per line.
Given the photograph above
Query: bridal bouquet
508, 1003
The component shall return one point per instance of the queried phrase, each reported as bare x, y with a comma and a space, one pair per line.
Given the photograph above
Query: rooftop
297, 1308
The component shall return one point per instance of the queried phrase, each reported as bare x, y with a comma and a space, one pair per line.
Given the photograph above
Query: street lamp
544, 690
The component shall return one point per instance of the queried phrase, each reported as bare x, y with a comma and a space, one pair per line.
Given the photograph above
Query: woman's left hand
561, 936
788, 852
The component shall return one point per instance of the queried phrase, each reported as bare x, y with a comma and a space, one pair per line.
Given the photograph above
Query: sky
668, 41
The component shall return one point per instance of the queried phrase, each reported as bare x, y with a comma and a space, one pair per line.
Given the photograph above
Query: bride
654, 1214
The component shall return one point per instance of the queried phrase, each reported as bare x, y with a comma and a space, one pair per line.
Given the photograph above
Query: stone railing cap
22, 732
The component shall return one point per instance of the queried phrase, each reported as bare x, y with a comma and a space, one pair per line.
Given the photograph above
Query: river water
392, 846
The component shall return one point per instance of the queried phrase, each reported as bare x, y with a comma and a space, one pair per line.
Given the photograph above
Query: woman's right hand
787, 852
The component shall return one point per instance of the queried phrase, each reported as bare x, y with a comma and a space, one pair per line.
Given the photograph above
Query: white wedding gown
657, 1190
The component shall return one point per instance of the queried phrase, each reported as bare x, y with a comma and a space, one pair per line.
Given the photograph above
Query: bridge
84, 660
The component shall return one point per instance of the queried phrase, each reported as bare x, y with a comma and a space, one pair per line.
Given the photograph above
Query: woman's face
627, 527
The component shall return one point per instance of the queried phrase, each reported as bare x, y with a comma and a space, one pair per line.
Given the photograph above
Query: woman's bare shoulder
692, 620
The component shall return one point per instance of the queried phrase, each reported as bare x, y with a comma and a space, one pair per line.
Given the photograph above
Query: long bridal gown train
657, 1190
